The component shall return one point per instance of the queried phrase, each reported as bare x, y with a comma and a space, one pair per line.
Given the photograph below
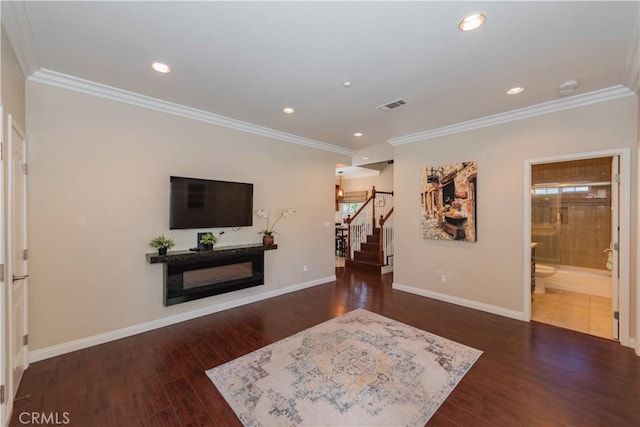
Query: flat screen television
204, 203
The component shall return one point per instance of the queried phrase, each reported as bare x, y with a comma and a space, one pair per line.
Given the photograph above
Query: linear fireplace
193, 275
215, 275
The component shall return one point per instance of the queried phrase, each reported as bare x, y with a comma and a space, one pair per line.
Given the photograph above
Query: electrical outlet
305, 269
443, 278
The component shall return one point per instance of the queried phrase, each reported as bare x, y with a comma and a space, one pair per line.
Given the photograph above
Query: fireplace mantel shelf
216, 252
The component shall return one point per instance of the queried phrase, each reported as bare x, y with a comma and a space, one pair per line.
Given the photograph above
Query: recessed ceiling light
515, 90
288, 110
357, 134
160, 67
471, 22
346, 84
365, 158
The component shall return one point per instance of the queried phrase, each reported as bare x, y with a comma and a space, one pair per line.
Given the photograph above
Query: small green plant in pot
162, 244
209, 239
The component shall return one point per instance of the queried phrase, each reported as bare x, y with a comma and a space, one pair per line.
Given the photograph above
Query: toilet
542, 272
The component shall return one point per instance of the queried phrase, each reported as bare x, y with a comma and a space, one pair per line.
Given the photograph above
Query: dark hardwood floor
530, 374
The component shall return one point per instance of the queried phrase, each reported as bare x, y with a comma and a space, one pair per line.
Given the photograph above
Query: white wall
12, 88
491, 270
382, 182
99, 191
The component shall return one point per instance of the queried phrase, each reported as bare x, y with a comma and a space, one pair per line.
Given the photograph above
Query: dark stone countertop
216, 252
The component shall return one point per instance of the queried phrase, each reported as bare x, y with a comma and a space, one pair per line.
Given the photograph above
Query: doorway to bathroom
575, 244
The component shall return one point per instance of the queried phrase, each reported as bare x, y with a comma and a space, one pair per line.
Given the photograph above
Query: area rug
360, 369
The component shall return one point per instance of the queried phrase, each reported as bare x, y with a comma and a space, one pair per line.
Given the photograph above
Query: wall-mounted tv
204, 203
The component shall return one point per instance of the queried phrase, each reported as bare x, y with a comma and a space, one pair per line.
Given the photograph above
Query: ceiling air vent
391, 105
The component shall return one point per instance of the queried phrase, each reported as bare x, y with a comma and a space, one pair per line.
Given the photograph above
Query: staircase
370, 236
367, 258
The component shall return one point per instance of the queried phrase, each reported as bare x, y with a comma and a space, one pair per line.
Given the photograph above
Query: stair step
370, 247
364, 266
365, 256
373, 239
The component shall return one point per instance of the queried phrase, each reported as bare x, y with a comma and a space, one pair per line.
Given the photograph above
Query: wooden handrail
348, 219
385, 218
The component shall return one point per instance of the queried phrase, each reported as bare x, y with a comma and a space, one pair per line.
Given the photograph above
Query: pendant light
340, 190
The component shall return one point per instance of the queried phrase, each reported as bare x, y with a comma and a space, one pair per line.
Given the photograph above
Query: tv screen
203, 203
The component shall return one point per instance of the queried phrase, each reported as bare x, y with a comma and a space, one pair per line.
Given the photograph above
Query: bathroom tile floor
580, 312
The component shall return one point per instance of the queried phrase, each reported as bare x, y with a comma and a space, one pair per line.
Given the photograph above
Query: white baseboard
629, 342
386, 269
79, 344
500, 311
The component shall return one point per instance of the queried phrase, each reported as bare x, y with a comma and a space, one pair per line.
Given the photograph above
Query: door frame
625, 229
4, 365
615, 238
637, 338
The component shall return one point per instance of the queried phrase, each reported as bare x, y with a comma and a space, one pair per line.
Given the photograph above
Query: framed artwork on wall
448, 200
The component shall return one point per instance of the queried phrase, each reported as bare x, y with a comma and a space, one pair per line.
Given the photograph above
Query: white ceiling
247, 60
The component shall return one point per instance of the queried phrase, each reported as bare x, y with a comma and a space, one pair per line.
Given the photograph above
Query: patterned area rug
360, 369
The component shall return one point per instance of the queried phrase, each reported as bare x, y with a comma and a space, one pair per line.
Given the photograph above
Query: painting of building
448, 202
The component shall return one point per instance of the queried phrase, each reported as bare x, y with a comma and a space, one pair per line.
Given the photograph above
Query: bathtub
583, 280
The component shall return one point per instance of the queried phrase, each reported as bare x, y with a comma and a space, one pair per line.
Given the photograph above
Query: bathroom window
558, 190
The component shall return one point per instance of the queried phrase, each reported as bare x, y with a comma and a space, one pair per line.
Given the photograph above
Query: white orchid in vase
269, 231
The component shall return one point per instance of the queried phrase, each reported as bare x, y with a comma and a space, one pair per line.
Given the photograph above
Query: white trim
386, 269
6, 406
603, 95
625, 229
87, 87
79, 344
18, 28
527, 239
636, 340
500, 311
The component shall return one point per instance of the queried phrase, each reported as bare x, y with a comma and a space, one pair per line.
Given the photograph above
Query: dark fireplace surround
192, 275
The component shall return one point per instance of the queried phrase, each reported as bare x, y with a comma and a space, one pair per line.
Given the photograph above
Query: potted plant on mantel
162, 244
267, 233
209, 239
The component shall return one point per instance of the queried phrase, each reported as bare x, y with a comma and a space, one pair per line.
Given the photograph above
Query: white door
614, 255
17, 254
4, 356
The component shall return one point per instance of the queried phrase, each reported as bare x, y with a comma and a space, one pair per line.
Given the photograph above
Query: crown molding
18, 29
603, 95
87, 87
